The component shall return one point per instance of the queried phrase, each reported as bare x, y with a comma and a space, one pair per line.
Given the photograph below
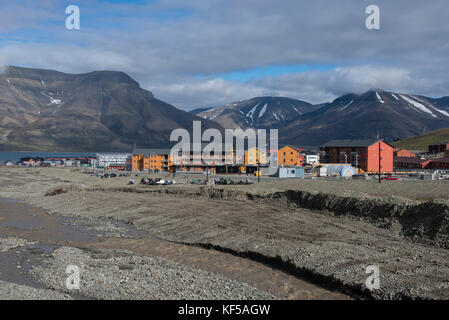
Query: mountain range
389, 115
260, 112
107, 111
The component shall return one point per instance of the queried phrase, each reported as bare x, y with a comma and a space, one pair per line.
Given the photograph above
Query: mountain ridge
48, 110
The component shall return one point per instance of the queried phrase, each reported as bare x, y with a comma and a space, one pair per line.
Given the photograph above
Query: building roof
148, 152
351, 143
441, 160
295, 148
410, 160
439, 143
185, 146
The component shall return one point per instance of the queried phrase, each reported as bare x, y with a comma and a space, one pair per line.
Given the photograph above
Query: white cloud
408, 54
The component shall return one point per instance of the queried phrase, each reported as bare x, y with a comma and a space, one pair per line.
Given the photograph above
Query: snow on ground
347, 105
52, 100
274, 114
300, 113
262, 112
250, 114
416, 98
418, 105
379, 97
441, 111
394, 96
55, 101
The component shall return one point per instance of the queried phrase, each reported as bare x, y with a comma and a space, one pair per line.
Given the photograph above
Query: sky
201, 53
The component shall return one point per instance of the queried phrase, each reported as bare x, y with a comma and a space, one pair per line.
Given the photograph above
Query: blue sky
210, 52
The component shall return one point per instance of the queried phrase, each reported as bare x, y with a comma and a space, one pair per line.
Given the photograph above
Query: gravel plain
112, 274
330, 243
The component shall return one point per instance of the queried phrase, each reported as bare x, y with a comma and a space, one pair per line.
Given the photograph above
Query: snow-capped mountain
353, 116
260, 112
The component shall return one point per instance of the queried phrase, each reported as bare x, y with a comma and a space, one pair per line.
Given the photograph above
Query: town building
438, 164
31, 161
438, 147
151, 160
290, 156
409, 163
402, 153
310, 157
361, 154
289, 172
255, 156
107, 160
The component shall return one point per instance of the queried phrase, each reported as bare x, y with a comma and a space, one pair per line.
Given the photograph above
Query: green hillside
422, 142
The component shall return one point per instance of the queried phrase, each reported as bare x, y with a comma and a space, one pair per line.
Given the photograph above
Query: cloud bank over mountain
182, 51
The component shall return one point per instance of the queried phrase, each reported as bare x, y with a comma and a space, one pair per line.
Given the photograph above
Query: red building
402, 153
439, 147
362, 154
411, 163
438, 164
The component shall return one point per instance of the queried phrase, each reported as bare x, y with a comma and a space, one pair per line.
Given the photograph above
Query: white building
311, 158
114, 159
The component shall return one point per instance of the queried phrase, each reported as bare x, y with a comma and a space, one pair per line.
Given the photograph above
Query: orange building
402, 153
362, 154
153, 162
290, 156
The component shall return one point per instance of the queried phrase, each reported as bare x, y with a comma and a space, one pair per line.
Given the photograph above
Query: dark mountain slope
102, 110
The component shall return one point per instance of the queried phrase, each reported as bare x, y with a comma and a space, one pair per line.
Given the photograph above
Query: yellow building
254, 156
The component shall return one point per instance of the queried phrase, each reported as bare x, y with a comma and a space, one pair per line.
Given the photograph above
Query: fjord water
16, 155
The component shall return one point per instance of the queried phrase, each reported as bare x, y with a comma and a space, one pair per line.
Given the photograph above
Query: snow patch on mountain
250, 114
417, 105
379, 97
347, 105
441, 111
262, 112
300, 113
394, 96
52, 100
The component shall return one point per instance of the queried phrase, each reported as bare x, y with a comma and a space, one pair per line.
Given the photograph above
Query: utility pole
380, 161
258, 165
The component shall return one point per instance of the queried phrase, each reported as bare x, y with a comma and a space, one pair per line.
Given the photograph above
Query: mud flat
326, 232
